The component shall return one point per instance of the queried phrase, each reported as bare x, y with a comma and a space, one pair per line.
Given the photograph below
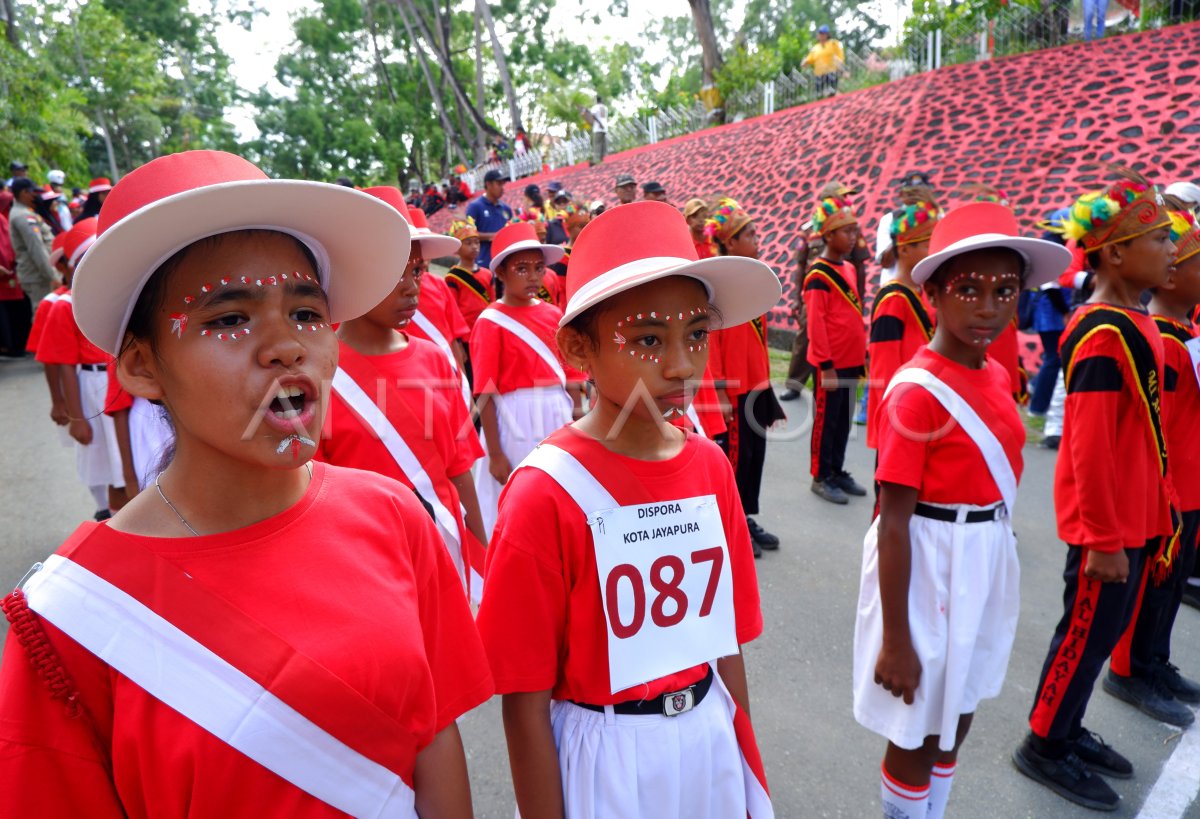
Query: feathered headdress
725, 220
1128, 208
982, 192
463, 229
833, 212
914, 223
1184, 232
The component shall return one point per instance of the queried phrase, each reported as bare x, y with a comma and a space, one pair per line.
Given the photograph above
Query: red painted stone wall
1036, 126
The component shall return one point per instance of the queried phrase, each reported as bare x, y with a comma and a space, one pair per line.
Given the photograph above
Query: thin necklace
182, 519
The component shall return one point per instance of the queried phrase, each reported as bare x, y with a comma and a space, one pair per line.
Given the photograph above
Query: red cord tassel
32, 637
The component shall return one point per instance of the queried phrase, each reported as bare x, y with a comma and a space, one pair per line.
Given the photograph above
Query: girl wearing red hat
938, 602
397, 409
523, 390
620, 581
255, 618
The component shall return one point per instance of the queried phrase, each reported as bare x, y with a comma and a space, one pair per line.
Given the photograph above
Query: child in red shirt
740, 369
296, 629
1141, 662
939, 599
470, 283
620, 581
523, 391
837, 347
1112, 493
58, 408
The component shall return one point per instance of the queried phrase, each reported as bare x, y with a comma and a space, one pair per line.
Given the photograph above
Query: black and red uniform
1147, 640
1111, 492
837, 341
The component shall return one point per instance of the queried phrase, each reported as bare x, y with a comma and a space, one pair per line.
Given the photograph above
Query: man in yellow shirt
827, 60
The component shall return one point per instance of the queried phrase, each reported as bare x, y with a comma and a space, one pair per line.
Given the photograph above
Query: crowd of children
554, 461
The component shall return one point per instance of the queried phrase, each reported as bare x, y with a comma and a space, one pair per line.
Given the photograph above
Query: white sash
531, 340
962, 412
695, 419
183, 674
435, 335
370, 414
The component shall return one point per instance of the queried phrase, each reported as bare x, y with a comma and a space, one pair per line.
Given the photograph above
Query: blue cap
822, 29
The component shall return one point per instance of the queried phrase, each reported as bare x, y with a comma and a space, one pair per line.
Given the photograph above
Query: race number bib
666, 586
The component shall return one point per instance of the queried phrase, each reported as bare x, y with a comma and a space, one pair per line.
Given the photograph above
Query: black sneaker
1151, 697
789, 395
1100, 757
1181, 687
847, 484
761, 536
830, 492
1191, 595
1050, 442
755, 548
1068, 777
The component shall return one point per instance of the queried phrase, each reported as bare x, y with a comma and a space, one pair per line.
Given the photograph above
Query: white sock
902, 801
939, 788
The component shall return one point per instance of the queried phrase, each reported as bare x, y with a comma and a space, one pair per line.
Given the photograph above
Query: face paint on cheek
178, 324
312, 328
232, 335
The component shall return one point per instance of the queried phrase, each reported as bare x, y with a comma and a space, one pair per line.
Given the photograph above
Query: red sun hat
79, 239
981, 225
170, 202
643, 241
56, 247
100, 184
518, 236
433, 245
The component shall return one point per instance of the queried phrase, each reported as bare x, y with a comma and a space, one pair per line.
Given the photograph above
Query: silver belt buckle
679, 702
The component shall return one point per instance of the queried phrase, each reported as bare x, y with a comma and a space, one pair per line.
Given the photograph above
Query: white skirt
98, 463
963, 603
524, 417
150, 436
618, 766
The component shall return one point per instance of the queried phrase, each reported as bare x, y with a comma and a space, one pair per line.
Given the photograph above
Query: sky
254, 52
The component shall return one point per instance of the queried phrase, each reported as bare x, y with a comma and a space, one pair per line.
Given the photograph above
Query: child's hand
1107, 567
80, 430
500, 468
898, 670
59, 415
829, 379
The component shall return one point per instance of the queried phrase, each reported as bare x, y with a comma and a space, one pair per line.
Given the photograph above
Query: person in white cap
620, 582
257, 635
62, 210
939, 594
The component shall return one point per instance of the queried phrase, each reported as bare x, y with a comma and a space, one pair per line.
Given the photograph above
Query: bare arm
79, 427
465, 484
733, 672
121, 427
58, 402
498, 463
532, 755
440, 779
898, 669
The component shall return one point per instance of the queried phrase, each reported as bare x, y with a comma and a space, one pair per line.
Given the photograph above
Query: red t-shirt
738, 356
896, 334
115, 398
1006, 350
837, 338
40, 315
430, 390
439, 305
704, 249
542, 620
471, 298
62, 342
1181, 411
353, 575
1109, 493
920, 444
503, 363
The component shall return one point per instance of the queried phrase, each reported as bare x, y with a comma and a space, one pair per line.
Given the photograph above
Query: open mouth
289, 402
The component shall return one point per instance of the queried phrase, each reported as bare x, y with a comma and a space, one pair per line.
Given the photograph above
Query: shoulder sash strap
526, 335
465, 278
694, 417
435, 335
833, 277
1139, 356
893, 289
227, 673
573, 477
962, 412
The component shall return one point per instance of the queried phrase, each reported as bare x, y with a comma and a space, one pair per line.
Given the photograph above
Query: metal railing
925, 46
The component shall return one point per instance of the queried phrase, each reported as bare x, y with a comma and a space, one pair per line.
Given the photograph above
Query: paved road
819, 761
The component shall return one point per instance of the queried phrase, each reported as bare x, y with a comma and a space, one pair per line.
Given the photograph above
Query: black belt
951, 515
94, 368
670, 704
